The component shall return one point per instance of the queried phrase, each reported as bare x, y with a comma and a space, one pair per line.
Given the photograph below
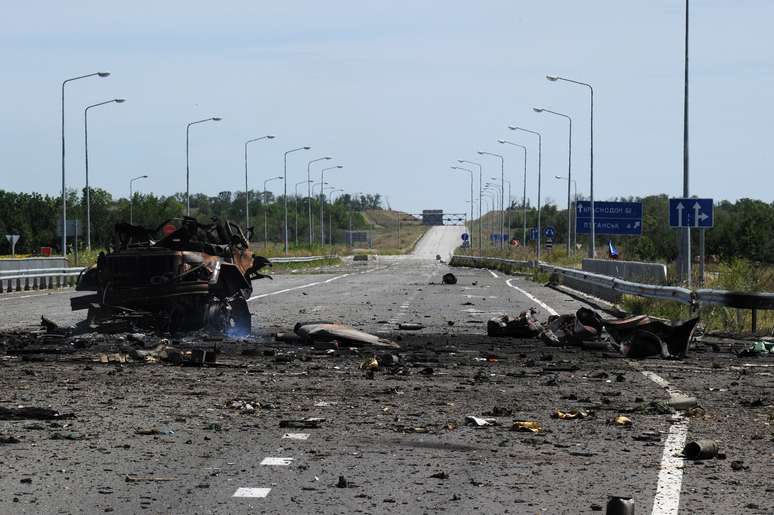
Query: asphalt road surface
157, 438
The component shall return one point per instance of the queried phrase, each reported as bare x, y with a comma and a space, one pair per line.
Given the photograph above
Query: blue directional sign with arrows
609, 218
549, 232
691, 212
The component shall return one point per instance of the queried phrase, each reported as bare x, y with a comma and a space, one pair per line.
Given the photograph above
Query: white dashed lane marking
296, 436
493, 274
251, 492
277, 461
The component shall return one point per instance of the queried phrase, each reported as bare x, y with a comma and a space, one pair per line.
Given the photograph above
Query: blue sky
395, 91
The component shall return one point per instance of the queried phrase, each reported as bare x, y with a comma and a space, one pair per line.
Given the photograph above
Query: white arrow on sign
680, 208
636, 225
698, 215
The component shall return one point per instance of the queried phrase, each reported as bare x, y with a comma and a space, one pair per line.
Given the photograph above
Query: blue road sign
465, 236
549, 232
691, 212
533, 234
498, 237
609, 226
609, 217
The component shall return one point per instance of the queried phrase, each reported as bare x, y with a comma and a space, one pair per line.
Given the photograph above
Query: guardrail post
754, 320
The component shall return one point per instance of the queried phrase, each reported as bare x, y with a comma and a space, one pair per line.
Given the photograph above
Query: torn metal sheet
347, 335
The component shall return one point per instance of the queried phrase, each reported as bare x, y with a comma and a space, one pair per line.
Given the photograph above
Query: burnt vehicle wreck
195, 276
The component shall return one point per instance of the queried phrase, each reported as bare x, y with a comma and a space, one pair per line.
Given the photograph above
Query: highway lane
387, 435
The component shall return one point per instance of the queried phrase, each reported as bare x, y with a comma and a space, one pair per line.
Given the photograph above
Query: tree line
35, 217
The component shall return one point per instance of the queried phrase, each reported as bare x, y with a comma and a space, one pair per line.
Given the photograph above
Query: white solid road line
262, 295
670, 475
12, 296
532, 298
317, 283
493, 274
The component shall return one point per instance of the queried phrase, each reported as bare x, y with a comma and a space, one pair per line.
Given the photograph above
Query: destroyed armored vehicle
182, 276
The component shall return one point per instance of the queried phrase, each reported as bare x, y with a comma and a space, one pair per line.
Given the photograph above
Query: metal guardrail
38, 278
299, 259
49, 278
694, 298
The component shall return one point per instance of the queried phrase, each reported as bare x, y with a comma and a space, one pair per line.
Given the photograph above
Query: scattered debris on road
449, 278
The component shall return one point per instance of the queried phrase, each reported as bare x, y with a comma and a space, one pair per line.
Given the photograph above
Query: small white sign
277, 461
251, 492
296, 436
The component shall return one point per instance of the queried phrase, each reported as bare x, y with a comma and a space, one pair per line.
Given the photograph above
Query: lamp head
480, 153
538, 109
269, 136
327, 158
501, 141
216, 118
307, 148
103, 74
552, 78
143, 176
119, 100
339, 166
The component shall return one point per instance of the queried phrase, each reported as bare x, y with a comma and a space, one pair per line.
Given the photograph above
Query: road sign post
12, 239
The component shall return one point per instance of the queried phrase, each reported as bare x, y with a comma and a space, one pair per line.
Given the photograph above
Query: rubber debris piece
410, 327
31, 413
332, 331
523, 326
526, 426
449, 278
642, 336
304, 423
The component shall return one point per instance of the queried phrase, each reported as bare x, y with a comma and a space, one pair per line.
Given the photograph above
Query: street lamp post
330, 217
86, 150
247, 188
502, 190
285, 176
569, 167
471, 187
187, 167
592, 239
131, 196
508, 206
540, 171
322, 201
64, 186
480, 175
265, 209
309, 192
574, 209
295, 203
524, 190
